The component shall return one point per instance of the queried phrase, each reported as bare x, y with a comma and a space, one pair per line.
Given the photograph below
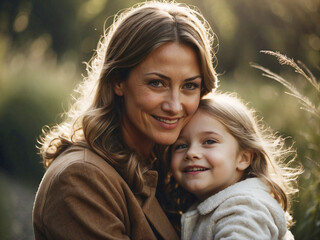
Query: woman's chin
167, 140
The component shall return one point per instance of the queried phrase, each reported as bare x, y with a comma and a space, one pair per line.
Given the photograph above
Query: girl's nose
192, 154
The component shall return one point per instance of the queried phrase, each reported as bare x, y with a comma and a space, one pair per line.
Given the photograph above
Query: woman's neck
141, 144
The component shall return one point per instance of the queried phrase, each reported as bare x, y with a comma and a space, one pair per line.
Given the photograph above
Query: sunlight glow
21, 22
91, 8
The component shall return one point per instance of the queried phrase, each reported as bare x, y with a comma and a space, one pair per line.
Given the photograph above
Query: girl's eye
156, 83
209, 142
180, 146
191, 86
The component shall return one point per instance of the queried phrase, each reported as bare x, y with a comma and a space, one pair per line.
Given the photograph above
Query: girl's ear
118, 87
245, 160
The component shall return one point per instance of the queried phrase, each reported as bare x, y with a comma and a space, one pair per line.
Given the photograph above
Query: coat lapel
153, 210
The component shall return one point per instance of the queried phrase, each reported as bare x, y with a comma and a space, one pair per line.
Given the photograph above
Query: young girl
235, 168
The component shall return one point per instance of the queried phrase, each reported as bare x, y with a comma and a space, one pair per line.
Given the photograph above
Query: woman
151, 69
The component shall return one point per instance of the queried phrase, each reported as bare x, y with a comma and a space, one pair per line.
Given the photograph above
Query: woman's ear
118, 87
244, 160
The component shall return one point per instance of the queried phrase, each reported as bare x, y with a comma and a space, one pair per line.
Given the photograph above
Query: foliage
5, 211
29, 99
73, 27
33, 91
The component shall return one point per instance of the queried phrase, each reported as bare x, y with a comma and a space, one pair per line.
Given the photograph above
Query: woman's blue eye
191, 86
180, 146
156, 83
210, 141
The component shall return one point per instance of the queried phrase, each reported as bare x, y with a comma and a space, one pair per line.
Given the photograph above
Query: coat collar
250, 186
152, 208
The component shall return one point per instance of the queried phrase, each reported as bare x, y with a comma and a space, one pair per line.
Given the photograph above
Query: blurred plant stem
308, 226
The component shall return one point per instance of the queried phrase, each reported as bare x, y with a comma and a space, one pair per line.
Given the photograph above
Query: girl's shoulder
245, 210
247, 204
252, 189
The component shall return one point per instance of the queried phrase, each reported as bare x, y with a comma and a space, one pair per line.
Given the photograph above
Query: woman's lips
167, 123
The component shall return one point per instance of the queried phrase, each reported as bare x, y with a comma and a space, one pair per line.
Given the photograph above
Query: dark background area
43, 47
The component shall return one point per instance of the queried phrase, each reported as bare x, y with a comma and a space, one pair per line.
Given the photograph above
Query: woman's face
160, 96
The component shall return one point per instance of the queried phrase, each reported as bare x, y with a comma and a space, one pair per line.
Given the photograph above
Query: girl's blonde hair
271, 156
94, 120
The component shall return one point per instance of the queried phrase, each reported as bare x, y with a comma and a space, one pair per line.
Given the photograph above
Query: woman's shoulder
79, 167
75, 158
80, 186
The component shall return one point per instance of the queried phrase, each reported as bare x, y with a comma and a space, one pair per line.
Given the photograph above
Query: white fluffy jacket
245, 210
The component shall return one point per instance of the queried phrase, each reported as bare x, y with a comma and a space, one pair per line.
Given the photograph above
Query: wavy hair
94, 119
271, 156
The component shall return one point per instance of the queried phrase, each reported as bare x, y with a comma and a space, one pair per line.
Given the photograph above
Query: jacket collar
152, 208
250, 186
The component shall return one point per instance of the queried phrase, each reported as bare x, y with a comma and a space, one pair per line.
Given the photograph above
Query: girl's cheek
173, 163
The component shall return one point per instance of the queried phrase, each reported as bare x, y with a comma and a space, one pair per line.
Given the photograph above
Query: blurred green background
43, 47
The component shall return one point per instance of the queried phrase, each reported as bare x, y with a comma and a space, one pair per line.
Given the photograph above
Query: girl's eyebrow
168, 78
211, 132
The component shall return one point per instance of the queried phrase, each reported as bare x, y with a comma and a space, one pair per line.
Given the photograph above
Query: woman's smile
168, 123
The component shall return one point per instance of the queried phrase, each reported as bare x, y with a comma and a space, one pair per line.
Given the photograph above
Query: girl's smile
195, 169
206, 157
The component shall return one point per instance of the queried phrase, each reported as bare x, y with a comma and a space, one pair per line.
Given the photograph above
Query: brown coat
83, 197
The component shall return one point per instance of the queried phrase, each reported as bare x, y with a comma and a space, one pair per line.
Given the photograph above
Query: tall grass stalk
307, 209
306, 103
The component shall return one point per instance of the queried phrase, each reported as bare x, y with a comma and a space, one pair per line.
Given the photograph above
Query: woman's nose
172, 103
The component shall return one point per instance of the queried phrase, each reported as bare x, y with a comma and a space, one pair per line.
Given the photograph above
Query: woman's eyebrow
168, 78
158, 74
193, 78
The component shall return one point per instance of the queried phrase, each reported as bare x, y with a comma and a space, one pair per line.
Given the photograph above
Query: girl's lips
194, 169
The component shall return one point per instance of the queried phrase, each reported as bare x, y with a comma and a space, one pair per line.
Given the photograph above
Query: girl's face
206, 157
160, 96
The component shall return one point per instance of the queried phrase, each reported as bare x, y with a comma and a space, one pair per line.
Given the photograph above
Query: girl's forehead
203, 122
